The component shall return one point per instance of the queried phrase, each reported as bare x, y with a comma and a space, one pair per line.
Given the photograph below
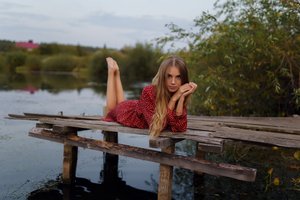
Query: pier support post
69, 162
198, 176
166, 177
110, 161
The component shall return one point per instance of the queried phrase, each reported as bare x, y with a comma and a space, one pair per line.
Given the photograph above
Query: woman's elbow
181, 128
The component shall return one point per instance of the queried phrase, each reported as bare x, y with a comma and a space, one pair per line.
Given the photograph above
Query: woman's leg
118, 84
111, 96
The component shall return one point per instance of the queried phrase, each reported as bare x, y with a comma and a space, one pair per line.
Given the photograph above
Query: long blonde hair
163, 96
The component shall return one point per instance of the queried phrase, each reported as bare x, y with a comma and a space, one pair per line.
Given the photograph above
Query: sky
114, 23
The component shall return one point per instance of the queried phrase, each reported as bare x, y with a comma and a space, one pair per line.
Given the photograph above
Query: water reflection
85, 189
58, 82
53, 83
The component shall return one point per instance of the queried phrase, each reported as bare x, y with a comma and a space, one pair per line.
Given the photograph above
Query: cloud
9, 5
96, 28
146, 23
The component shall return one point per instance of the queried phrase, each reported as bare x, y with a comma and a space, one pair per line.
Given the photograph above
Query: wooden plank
166, 177
200, 136
209, 126
160, 142
292, 122
214, 137
44, 125
63, 129
284, 140
38, 116
213, 133
210, 148
217, 169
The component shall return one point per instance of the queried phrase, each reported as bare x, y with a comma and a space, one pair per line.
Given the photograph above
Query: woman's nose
173, 80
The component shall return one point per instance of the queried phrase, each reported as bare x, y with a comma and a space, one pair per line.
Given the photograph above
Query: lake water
31, 167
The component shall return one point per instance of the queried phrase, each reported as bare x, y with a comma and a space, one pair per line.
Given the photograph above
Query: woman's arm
177, 117
179, 97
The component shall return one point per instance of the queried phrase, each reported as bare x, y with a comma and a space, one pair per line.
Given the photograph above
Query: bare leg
111, 97
118, 84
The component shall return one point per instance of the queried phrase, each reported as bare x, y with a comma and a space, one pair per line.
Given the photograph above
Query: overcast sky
114, 23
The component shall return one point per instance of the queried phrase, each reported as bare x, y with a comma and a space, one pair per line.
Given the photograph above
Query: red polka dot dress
138, 113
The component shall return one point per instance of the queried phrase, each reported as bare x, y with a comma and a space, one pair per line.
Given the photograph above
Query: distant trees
137, 63
245, 58
141, 62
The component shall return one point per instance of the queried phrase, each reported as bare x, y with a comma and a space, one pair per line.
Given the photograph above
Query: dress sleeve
177, 123
146, 105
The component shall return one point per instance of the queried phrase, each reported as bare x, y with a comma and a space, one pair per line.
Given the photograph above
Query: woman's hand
193, 87
182, 89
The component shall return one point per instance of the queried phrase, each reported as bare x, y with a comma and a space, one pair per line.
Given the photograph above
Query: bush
15, 59
98, 65
141, 63
2, 61
33, 63
62, 63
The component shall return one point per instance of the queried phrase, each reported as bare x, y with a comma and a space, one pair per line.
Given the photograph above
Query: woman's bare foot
112, 64
116, 66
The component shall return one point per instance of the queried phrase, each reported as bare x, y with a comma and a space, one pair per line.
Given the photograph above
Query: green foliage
54, 48
245, 58
6, 45
33, 63
98, 66
2, 62
141, 63
15, 59
61, 63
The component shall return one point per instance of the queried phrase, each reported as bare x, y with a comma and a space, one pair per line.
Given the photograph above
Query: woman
162, 104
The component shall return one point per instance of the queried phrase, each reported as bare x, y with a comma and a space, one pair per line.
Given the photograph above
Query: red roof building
27, 45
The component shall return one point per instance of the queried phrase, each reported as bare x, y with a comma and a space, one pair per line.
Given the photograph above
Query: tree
245, 58
141, 63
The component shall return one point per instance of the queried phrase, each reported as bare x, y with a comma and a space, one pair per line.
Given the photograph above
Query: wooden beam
210, 148
166, 177
217, 169
160, 142
110, 161
63, 129
69, 163
44, 125
279, 131
198, 136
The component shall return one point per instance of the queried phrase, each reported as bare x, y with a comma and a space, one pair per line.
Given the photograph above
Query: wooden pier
209, 133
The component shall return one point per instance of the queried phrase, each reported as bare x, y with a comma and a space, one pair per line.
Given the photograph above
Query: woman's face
173, 79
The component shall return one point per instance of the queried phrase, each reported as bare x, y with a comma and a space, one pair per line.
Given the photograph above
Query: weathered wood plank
200, 136
284, 122
162, 142
210, 148
166, 177
69, 163
213, 137
203, 129
209, 126
63, 129
285, 140
38, 116
217, 169
292, 122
